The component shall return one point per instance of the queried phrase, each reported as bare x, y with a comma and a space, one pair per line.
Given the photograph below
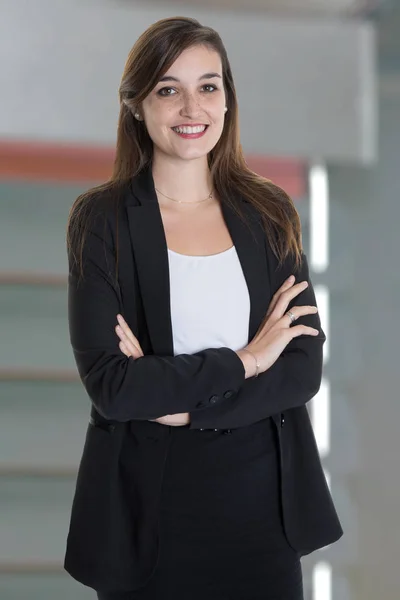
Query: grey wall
363, 275
59, 75
365, 300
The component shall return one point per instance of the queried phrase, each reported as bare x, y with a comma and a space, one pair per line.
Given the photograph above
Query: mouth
190, 131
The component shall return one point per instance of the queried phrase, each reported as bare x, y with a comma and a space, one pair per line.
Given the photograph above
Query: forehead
195, 61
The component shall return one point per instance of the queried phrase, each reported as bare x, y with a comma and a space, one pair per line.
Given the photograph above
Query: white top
210, 303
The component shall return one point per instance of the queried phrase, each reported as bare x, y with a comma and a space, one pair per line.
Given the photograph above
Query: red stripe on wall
42, 161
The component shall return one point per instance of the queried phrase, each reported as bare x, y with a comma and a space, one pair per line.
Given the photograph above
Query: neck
187, 180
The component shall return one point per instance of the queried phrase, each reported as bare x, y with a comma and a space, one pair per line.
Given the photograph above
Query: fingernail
291, 278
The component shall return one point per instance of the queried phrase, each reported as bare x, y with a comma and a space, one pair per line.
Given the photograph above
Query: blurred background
319, 94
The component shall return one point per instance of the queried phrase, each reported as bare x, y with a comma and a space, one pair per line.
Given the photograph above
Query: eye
210, 85
165, 89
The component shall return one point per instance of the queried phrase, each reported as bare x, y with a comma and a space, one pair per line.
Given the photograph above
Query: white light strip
322, 581
321, 417
322, 298
319, 218
320, 406
328, 481
328, 478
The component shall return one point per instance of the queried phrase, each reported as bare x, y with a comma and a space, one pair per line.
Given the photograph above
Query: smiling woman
189, 485
190, 109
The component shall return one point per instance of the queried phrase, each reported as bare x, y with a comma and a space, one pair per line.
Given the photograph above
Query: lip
191, 125
192, 136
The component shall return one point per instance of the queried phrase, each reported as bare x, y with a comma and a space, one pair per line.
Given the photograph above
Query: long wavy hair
152, 55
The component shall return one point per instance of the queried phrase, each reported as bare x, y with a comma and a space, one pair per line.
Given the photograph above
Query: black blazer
112, 539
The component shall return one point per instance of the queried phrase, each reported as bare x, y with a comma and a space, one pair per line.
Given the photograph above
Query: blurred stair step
34, 519
42, 585
42, 424
33, 225
34, 325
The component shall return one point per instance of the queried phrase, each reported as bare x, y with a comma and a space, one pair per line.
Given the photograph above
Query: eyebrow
205, 76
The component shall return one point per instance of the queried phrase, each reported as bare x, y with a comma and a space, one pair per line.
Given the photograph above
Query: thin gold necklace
210, 195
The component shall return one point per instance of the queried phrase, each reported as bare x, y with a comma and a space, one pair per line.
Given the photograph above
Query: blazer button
228, 394
282, 420
213, 399
227, 431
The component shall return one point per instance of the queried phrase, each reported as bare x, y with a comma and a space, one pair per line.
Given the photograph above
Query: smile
187, 131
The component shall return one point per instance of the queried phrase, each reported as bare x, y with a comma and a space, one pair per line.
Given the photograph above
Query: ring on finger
291, 315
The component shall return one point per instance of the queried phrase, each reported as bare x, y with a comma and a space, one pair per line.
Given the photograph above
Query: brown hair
149, 59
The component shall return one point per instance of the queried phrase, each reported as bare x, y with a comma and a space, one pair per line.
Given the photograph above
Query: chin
193, 155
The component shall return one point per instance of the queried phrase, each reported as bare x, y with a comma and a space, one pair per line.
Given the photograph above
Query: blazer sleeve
290, 382
123, 388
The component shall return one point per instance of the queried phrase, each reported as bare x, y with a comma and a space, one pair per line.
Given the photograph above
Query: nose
190, 105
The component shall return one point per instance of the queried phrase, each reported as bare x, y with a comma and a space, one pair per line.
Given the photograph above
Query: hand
176, 420
275, 332
130, 346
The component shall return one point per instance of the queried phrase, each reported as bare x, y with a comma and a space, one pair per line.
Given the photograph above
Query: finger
129, 350
128, 339
161, 420
286, 285
287, 296
124, 349
298, 311
133, 349
127, 330
302, 330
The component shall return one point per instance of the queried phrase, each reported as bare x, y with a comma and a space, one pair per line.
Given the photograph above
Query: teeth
197, 129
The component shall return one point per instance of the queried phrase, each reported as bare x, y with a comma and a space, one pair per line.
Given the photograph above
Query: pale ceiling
334, 8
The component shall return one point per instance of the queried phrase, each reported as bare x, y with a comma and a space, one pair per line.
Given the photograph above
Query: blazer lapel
151, 258
250, 244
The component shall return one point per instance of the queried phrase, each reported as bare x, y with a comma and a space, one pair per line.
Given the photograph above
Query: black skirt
221, 530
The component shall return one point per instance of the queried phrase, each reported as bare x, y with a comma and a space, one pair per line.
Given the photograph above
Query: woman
200, 476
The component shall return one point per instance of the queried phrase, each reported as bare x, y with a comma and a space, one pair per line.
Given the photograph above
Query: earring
137, 116
225, 109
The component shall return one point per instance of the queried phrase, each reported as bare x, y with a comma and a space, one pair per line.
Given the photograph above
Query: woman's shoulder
276, 214
104, 198
94, 215
99, 204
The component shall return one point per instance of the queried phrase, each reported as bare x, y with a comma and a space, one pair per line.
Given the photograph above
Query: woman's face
190, 94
